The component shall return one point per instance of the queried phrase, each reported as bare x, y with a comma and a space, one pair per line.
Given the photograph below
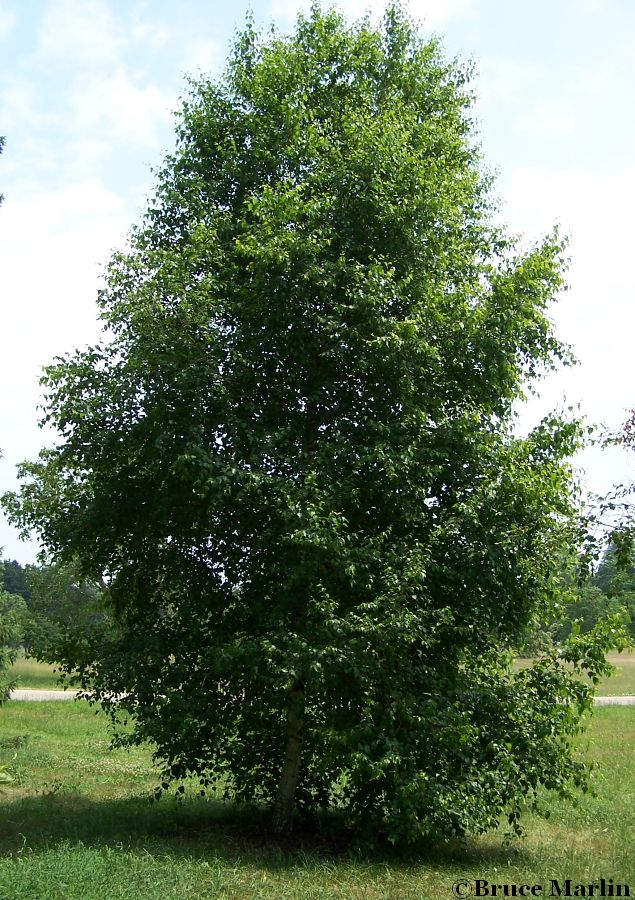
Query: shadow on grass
209, 828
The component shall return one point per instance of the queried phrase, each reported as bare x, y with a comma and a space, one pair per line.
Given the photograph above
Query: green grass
33, 674
77, 823
621, 683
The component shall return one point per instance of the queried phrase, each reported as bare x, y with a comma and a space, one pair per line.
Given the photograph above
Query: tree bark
283, 809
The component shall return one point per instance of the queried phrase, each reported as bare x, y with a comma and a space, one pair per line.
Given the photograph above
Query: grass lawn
77, 823
621, 683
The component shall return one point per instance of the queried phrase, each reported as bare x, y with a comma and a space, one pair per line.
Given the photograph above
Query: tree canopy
292, 457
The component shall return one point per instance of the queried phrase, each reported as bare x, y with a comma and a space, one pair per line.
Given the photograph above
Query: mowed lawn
77, 822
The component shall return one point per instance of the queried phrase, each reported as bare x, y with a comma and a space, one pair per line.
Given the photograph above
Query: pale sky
87, 92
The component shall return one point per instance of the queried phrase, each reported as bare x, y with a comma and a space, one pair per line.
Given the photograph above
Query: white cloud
286, 11
7, 20
594, 204
433, 13
117, 107
202, 56
91, 33
54, 246
20, 101
98, 101
551, 118
500, 78
590, 7
80, 32
41, 231
83, 158
152, 34
437, 13
597, 315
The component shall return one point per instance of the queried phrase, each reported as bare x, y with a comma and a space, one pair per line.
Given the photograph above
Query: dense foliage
292, 458
63, 610
14, 578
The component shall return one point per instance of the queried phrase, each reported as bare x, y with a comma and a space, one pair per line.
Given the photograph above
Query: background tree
63, 609
13, 578
60, 605
611, 537
615, 575
11, 622
589, 601
292, 460
13, 614
590, 606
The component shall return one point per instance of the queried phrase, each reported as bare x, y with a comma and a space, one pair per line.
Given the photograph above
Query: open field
36, 675
621, 683
77, 823
33, 674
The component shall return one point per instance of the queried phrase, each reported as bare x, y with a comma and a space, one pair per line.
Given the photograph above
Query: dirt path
70, 695
615, 701
42, 695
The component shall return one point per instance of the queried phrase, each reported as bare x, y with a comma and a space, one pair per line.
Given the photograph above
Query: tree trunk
283, 809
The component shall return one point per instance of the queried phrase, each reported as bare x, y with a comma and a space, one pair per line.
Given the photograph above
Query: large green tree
292, 458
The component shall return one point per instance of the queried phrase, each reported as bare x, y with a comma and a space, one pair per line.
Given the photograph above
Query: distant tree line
49, 606
13, 613
607, 592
